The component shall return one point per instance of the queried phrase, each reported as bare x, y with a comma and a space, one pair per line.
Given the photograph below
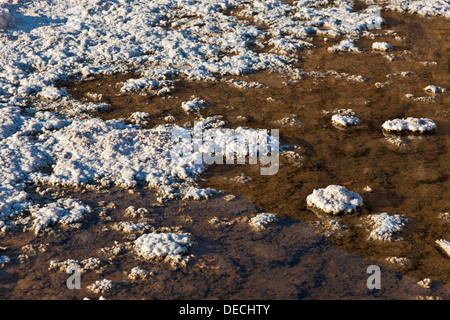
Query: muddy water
294, 259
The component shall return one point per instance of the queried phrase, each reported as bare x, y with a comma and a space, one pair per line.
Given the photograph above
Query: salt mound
64, 211
335, 199
194, 105
345, 121
345, 46
260, 221
412, 125
386, 227
163, 246
381, 46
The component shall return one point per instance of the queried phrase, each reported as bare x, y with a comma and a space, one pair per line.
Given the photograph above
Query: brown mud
291, 259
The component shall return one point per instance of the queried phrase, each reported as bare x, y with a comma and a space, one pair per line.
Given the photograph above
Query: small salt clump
386, 227
345, 121
345, 46
101, 286
260, 221
194, 105
409, 125
335, 199
381, 46
140, 118
163, 246
137, 273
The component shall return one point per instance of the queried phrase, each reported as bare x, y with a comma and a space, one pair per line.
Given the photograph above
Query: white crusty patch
139, 118
138, 273
64, 211
194, 105
386, 227
421, 7
170, 247
260, 221
335, 199
345, 46
101, 286
4, 260
381, 46
69, 265
147, 85
413, 125
345, 121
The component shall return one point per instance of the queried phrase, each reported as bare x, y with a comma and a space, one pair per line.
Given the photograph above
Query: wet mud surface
297, 257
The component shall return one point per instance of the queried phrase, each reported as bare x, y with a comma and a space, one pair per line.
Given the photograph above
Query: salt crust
345, 121
386, 227
345, 46
158, 40
169, 247
422, 7
194, 105
138, 273
193, 39
413, 125
101, 286
335, 199
381, 46
64, 211
260, 221
82, 266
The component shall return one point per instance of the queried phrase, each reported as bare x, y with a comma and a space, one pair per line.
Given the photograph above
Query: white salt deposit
261, 220
101, 286
131, 227
64, 211
194, 105
413, 125
48, 41
421, 7
345, 121
345, 46
381, 46
147, 85
69, 265
171, 247
335, 199
139, 118
138, 273
386, 227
